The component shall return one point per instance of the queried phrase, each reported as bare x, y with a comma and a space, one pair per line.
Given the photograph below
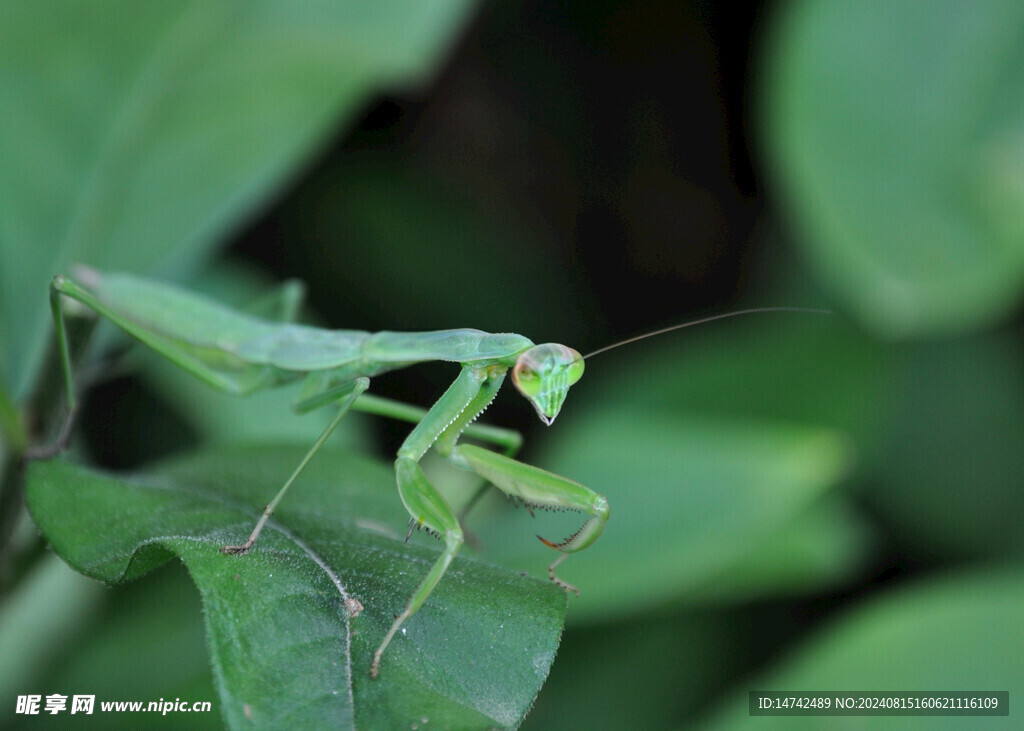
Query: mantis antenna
702, 321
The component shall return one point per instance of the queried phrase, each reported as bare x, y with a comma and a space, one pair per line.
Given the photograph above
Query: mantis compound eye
575, 369
526, 379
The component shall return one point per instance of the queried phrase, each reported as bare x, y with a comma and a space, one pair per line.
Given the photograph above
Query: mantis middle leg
345, 396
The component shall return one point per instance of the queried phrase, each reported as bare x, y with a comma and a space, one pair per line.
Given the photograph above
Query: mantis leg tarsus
358, 386
551, 574
243, 548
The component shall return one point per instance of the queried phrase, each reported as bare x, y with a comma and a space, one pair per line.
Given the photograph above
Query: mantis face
543, 375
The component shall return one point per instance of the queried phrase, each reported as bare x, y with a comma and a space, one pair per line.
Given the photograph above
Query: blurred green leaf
136, 135
897, 132
283, 649
960, 632
689, 498
952, 474
644, 673
820, 548
38, 619
796, 368
12, 434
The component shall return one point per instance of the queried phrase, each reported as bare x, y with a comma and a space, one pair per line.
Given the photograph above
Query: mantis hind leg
64, 352
346, 397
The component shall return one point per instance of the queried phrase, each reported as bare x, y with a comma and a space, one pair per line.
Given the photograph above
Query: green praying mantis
242, 354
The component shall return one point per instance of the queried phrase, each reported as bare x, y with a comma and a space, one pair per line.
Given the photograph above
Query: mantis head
543, 375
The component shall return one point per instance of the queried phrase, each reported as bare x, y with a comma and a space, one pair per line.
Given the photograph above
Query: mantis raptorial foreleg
469, 395
539, 488
509, 440
425, 504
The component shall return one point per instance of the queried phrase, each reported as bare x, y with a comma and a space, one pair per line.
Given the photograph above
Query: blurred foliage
961, 631
797, 501
897, 130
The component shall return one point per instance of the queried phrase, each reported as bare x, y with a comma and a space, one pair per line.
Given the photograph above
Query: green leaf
283, 648
779, 367
950, 475
12, 432
960, 632
38, 620
136, 135
663, 665
689, 498
897, 134
820, 548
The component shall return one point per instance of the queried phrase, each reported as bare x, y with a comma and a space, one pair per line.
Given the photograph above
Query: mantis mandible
241, 354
